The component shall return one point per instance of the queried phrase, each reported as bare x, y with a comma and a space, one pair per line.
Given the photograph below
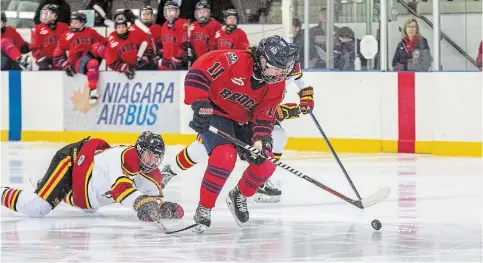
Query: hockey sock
10, 198
183, 160
25, 202
189, 156
92, 73
254, 177
9, 49
220, 165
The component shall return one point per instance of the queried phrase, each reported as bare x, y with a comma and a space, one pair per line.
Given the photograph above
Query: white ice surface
434, 213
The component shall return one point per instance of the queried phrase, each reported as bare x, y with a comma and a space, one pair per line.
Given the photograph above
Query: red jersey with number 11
225, 78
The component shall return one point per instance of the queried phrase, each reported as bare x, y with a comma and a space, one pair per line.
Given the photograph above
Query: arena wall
362, 112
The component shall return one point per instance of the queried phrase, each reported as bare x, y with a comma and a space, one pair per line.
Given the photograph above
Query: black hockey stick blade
371, 200
166, 231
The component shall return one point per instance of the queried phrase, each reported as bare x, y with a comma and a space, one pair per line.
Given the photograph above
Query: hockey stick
107, 22
146, 30
371, 200
166, 231
190, 54
334, 154
141, 50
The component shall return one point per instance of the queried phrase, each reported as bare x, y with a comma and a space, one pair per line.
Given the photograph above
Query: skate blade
232, 209
262, 198
199, 229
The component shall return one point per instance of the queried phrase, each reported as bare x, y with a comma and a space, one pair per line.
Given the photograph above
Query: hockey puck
376, 224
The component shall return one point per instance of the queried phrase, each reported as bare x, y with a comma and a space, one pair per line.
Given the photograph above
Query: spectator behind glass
64, 11
318, 38
478, 57
412, 53
347, 50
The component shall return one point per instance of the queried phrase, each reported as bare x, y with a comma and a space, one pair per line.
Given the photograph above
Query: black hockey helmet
171, 5
146, 9
49, 8
121, 20
227, 13
81, 17
4, 17
274, 59
150, 148
202, 5
52, 8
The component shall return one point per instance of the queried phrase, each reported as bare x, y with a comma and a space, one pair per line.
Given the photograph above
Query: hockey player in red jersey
230, 36
174, 34
203, 30
196, 152
225, 89
81, 50
122, 49
147, 18
90, 174
12, 46
45, 37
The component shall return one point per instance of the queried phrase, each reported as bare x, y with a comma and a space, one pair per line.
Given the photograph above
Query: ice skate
268, 193
238, 206
203, 218
168, 174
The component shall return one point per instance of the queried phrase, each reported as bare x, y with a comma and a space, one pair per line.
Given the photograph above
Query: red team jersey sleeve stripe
122, 188
196, 85
262, 128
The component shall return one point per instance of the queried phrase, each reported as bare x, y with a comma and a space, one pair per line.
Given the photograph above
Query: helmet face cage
202, 12
169, 14
276, 59
146, 14
272, 74
48, 14
77, 16
150, 149
148, 161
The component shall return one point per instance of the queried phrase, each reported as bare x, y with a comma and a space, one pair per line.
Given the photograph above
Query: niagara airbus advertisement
150, 101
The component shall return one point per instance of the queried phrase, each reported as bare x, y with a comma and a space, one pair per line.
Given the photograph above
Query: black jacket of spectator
64, 11
416, 58
186, 10
347, 55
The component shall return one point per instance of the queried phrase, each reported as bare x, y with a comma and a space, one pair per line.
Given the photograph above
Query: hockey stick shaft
146, 30
334, 154
188, 32
286, 167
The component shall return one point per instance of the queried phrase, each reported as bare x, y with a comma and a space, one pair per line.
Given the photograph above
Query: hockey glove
264, 144
128, 71
151, 208
287, 111
142, 62
306, 99
44, 63
68, 69
170, 210
147, 208
202, 111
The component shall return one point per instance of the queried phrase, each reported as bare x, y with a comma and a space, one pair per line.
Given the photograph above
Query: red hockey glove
287, 111
67, 68
306, 99
202, 111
